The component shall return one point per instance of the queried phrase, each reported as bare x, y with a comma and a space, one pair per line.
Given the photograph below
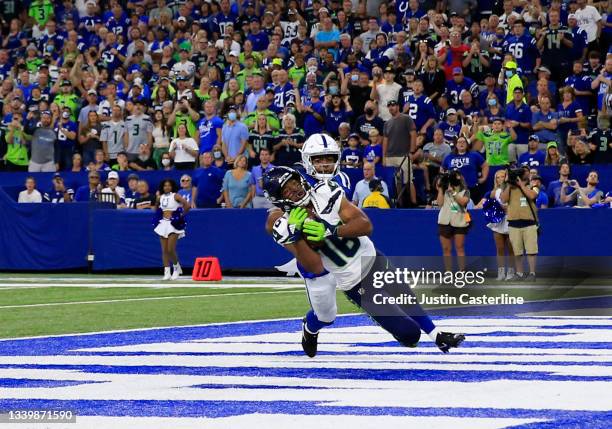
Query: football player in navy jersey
422, 112
522, 45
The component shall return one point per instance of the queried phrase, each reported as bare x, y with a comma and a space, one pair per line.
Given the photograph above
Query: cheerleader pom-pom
493, 211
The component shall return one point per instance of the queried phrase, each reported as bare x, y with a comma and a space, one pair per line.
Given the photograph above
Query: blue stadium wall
52, 237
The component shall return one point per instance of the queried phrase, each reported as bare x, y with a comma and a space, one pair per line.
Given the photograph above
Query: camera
514, 174
452, 178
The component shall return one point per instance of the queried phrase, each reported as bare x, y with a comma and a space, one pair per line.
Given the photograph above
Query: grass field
33, 305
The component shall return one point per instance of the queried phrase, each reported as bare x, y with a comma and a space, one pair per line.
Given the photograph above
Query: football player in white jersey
328, 234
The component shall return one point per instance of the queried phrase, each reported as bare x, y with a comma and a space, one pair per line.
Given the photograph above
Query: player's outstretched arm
355, 223
305, 255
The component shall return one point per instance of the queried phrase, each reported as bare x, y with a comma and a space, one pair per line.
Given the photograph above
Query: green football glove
314, 230
297, 216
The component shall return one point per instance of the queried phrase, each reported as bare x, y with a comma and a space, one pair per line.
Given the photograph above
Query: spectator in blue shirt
209, 128
469, 164
518, 116
234, 136
259, 200
352, 156
207, 183
258, 38
373, 151
313, 112
545, 122
533, 157
327, 37
556, 188
541, 201
186, 187
91, 191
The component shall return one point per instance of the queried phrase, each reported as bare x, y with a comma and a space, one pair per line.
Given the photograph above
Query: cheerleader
495, 212
170, 225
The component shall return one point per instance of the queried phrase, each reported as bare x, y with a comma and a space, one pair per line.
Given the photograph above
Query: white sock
166, 269
177, 266
434, 334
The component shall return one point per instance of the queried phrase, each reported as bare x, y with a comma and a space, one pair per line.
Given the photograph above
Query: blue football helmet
273, 182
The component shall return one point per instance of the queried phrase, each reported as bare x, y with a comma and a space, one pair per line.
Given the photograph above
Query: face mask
509, 73
369, 111
165, 162
231, 116
312, 69
492, 102
117, 77
354, 78
217, 154
333, 90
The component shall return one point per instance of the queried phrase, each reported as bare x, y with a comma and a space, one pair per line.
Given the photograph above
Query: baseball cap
291, 12
451, 111
544, 69
45, 112
254, 19
181, 19
572, 16
511, 65
234, 54
277, 62
389, 69
534, 137
113, 175
518, 89
133, 176
551, 144
324, 9
164, 66
32, 46
232, 107
409, 72
65, 83
457, 70
92, 92
391, 103
537, 177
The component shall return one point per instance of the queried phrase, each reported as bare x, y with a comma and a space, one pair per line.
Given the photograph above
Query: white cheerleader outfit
168, 203
500, 227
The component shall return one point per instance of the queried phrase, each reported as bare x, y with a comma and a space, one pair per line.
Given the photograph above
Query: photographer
522, 220
453, 219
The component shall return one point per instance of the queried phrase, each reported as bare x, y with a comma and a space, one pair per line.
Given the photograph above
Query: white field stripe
158, 285
266, 421
154, 298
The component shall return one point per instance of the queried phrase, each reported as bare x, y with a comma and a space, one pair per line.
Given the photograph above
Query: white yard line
154, 298
154, 285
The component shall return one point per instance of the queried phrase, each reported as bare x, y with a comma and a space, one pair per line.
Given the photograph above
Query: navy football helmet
273, 182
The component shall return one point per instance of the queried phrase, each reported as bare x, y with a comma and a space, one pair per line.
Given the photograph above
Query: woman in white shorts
170, 226
505, 271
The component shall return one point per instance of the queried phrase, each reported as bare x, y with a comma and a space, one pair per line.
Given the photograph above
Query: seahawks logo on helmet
317, 145
273, 182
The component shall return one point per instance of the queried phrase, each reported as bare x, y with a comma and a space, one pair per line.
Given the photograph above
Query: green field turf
67, 307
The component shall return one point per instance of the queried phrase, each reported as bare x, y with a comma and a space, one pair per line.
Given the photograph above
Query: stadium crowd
223, 90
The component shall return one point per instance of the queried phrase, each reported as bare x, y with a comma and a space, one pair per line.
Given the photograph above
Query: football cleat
447, 340
309, 341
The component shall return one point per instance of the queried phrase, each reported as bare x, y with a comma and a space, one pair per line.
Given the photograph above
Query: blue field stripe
348, 373
561, 418
31, 383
